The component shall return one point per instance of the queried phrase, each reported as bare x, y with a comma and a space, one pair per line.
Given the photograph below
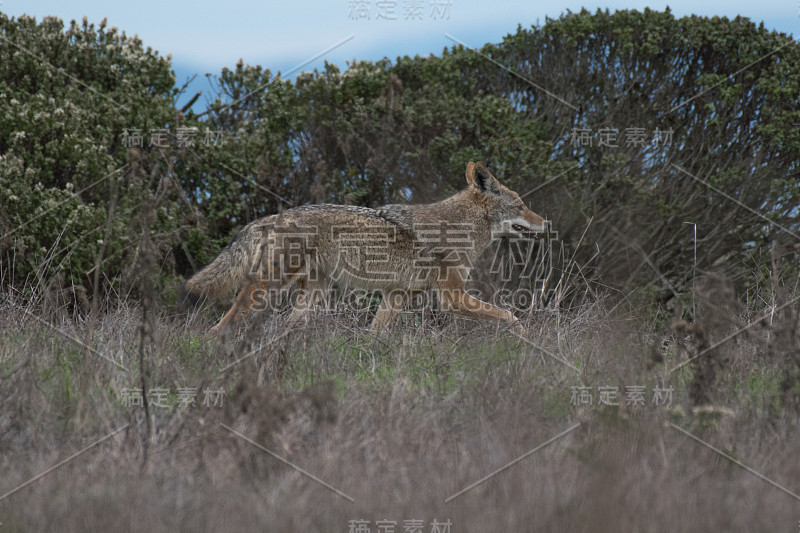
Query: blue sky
206, 35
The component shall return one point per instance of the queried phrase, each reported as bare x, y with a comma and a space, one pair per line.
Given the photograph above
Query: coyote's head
508, 214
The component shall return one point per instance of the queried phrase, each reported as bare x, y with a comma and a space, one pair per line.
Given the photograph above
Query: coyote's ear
478, 176
471, 174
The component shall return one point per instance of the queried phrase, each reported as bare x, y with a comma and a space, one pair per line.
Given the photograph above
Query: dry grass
399, 423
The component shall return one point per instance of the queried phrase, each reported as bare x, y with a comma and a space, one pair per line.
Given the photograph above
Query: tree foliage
728, 92
73, 196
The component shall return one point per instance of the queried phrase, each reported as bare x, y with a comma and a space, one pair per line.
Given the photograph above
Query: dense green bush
67, 195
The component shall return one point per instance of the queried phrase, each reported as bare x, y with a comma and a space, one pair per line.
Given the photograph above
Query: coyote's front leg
460, 302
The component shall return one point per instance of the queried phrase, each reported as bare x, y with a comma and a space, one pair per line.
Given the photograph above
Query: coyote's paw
517, 327
216, 331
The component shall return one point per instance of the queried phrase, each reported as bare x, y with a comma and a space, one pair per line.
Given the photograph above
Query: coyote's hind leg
392, 303
250, 297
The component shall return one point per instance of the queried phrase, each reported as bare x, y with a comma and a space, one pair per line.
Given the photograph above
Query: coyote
398, 250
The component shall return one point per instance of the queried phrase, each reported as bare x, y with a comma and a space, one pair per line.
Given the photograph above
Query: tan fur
395, 249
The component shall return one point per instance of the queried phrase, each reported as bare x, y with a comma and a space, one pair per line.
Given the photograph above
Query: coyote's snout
396, 249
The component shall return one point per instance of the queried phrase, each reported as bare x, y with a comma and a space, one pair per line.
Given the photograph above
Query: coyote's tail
226, 272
